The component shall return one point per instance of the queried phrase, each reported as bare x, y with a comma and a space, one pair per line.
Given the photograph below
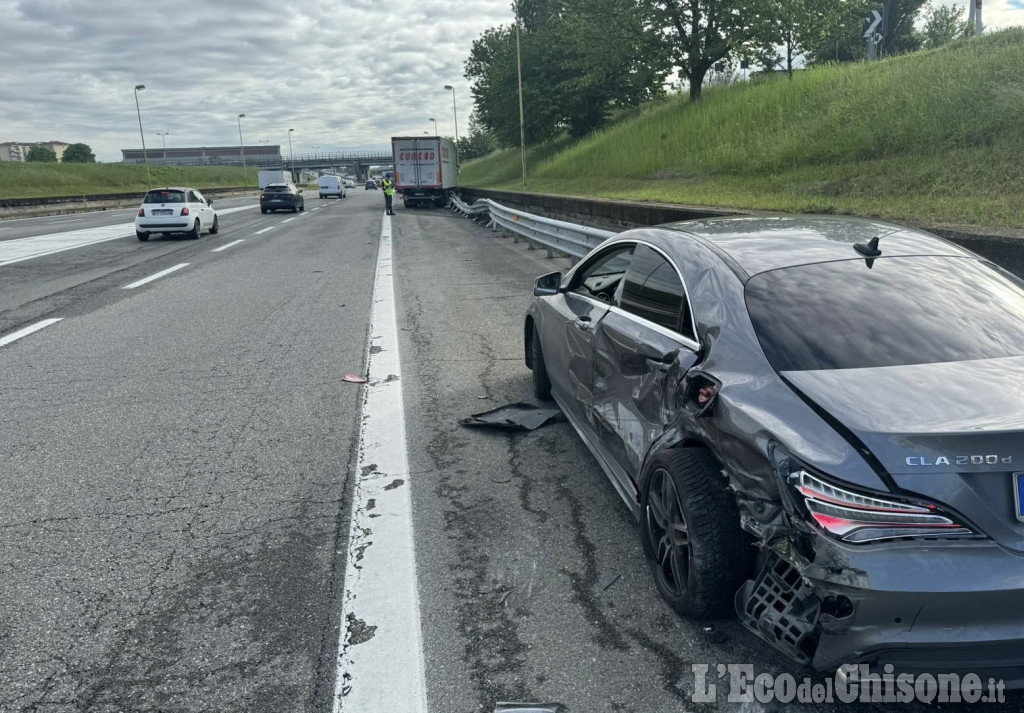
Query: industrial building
18, 150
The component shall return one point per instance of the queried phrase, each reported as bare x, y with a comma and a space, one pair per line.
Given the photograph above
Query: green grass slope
45, 180
933, 136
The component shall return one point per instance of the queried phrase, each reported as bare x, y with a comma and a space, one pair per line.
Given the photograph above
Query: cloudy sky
344, 74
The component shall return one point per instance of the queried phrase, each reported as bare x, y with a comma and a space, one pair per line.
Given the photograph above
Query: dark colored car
281, 196
818, 422
371, 185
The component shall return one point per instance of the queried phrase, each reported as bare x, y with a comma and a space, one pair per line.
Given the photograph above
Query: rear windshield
277, 189
165, 197
913, 310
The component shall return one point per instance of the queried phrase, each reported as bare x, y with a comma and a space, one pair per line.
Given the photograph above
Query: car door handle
583, 324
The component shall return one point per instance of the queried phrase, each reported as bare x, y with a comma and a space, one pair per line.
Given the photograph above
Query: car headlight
856, 517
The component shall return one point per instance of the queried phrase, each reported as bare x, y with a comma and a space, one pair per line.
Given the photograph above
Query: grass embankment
933, 136
46, 180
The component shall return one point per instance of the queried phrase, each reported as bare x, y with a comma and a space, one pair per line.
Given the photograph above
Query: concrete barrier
1004, 248
32, 207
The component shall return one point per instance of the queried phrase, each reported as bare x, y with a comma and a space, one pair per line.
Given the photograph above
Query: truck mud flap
779, 607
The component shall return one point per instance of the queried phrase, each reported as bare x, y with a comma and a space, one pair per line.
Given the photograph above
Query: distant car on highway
819, 424
331, 186
371, 185
349, 183
175, 210
282, 196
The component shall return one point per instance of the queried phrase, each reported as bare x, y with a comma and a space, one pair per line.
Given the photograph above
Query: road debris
528, 708
515, 417
609, 581
353, 379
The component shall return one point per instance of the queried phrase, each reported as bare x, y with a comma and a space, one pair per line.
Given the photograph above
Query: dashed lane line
14, 336
155, 276
231, 244
380, 648
261, 232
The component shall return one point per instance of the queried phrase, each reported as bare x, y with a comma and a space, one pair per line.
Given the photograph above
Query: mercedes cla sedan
819, 424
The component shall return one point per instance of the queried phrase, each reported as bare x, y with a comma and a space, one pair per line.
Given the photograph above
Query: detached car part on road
819, 423
282, 196
175, 210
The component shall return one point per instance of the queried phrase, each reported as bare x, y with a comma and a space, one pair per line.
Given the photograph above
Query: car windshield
165, 197
887, 312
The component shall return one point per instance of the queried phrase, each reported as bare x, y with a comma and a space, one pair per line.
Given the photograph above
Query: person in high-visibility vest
389, 192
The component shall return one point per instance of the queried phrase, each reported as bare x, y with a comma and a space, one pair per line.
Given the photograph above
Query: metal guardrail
556, 235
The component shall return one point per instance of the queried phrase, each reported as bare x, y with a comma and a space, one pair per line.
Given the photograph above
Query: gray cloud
342, 73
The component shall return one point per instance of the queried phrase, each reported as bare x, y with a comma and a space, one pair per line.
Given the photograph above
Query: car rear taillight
142, 213
854, 517
184, 211
857, 517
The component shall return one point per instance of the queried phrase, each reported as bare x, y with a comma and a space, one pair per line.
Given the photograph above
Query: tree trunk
697, 82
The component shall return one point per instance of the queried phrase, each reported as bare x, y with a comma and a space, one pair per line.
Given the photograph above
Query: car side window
198, 197
652, 290
602, 276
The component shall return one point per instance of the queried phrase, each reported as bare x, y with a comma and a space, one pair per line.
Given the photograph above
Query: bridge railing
555, 235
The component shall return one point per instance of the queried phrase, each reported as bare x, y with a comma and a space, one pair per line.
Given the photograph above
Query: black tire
690, 527
196, 231
302, 206
142, 236
216, 226
263, 211
321, 196
541, 381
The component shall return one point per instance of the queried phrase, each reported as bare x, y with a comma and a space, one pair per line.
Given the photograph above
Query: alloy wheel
667, 532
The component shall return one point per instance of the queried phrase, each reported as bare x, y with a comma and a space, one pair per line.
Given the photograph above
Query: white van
331, 186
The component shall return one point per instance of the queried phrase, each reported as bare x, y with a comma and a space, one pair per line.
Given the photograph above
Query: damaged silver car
819, 424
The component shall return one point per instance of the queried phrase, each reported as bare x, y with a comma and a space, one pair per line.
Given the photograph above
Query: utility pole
522, 124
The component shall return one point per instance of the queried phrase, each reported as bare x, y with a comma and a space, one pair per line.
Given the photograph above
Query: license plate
163, 212
1018, 492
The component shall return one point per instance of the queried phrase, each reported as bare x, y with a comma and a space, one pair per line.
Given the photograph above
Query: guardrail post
551, 253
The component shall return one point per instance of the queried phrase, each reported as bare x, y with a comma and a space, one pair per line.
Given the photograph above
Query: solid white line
288, 220
158, 275
385, 672
261, 232
28, 330
225, 247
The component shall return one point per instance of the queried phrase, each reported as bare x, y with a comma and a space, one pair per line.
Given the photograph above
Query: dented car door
642, 349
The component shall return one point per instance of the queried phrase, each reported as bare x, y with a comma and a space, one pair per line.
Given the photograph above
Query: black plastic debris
528, 708
515, 417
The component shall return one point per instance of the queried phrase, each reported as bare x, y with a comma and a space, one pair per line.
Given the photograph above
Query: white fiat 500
175, 210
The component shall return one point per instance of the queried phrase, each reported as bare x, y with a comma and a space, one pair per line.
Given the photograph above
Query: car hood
953, 432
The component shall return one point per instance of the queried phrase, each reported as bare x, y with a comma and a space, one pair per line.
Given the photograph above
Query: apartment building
18, 151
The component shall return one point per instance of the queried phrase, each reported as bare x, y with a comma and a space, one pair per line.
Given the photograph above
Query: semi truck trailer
425, 169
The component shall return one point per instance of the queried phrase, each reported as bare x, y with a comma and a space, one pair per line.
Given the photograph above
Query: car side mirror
546, 285
209, 201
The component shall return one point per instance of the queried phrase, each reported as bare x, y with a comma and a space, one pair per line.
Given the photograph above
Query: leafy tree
479, 143
844, 40
795, 26
702, 33
581, 60
41, 154
942, 24
78, 153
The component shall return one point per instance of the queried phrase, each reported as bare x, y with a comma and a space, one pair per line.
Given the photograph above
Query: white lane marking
225, 247
288, 220
14, 336
261, 232
384, 673
67, 220
12, 251
155, 276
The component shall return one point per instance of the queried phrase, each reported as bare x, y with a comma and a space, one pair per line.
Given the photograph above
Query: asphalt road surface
177, 464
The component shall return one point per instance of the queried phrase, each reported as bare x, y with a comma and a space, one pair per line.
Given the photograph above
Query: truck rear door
416, 163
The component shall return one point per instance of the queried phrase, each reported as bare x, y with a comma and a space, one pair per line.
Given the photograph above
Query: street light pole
241, 146
145, 156
291, 155
455, 111
435, 126
522, 124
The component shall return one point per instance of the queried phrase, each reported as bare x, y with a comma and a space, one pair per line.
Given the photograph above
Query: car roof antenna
870, 249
